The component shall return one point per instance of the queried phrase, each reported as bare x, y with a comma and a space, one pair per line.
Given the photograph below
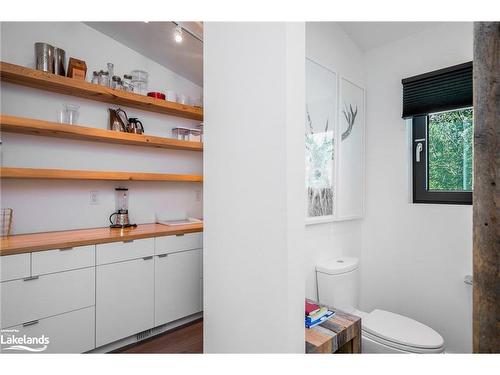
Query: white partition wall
254, 187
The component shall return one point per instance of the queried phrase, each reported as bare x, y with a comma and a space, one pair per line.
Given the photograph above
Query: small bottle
116, 83
127, 82
111, 71
95, 78
104, 78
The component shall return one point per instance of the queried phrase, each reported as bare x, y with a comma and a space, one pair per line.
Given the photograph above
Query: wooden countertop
340, 333
27, 243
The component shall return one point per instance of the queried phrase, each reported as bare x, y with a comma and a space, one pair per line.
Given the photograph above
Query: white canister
171, 96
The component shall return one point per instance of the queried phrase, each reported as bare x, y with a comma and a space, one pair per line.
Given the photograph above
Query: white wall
414, 256
328, 45
57, 205
254, 187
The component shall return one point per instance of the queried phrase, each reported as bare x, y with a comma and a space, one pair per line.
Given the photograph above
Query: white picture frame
350, 203
348, 166
320, 130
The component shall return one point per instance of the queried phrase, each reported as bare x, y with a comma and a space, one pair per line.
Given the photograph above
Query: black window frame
420, 175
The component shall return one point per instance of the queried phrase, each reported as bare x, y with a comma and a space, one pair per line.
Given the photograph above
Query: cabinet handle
33, 322
148, 258
30, 278
180, 235
66, 248
162, 255
128, 241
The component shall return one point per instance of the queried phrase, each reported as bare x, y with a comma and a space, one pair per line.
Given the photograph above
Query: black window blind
440, 90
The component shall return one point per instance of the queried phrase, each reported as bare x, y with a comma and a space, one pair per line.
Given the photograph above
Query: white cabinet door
177, 285
39, 297
15, 266
72, 332
124, 299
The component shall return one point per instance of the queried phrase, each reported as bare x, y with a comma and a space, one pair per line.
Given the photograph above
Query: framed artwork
334, 146
351, 151
320, 125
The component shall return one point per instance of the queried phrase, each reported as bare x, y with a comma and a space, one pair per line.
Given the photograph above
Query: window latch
418, 151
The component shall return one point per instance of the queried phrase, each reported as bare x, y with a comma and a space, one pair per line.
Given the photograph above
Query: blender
119, 218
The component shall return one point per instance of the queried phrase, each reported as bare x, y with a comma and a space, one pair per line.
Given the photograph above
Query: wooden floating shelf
65, 174
14, 124
63, 85
27, 243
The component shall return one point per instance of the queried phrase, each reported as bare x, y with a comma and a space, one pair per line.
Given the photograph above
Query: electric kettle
135, 126
116, 122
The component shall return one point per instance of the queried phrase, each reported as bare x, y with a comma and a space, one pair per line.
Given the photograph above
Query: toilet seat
401, 332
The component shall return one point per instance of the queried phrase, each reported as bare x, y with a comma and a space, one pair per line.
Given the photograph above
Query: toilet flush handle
468, 279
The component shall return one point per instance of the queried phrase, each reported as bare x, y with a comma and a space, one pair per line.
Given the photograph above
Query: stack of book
316, 315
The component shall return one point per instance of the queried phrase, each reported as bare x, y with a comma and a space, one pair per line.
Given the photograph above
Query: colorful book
311, 308
317, 315
314, 323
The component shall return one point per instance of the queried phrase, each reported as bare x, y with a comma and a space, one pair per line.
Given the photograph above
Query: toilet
382, 331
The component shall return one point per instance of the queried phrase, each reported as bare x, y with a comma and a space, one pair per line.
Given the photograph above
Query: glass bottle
127, 82
103, 78
95, 78
111, 72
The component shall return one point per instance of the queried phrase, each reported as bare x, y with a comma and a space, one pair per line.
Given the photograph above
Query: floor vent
144, 334
150, 332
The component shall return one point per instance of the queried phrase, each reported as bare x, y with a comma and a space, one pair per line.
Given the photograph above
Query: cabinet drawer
72, 332
47, 295
120, 251
15, 266
172, 244
50, 261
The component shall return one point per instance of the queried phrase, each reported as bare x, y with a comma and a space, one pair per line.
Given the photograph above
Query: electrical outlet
94, 197
198, 195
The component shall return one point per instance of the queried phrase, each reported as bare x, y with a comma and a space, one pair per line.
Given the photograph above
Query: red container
157, 95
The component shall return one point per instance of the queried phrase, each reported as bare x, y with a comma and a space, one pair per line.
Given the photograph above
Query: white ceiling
155, 41
368, 35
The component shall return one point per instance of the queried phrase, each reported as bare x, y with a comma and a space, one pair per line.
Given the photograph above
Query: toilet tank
338, 283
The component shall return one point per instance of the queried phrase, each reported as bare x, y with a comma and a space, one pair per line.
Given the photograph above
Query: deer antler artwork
319, 148
350, 117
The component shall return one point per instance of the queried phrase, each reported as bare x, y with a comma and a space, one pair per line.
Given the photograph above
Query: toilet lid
401, 330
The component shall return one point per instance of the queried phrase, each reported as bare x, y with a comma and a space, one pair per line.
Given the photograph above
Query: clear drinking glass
69, 114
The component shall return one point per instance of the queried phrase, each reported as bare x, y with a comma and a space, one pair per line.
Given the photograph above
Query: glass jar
95, 78
140, 81
104, 78
181, 134
127, 82
116, 83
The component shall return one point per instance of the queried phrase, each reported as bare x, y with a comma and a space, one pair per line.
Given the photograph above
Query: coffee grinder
119, 219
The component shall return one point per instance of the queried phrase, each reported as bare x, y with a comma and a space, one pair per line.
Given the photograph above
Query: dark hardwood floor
185, 339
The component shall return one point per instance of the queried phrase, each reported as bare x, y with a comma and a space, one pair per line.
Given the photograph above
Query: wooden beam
486, 196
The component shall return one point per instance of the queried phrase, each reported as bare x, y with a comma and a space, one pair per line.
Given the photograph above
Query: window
440, 106
442, 157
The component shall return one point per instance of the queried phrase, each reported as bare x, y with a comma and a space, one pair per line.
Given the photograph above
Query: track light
178, 34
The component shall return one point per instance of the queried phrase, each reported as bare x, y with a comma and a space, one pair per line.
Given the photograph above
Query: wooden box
77, 69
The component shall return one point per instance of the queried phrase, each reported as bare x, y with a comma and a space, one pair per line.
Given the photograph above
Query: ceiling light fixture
178, 34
